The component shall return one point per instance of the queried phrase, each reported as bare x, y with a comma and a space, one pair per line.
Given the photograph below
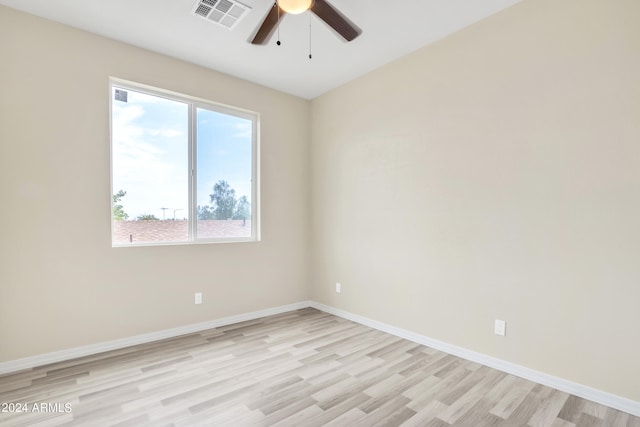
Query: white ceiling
390, 29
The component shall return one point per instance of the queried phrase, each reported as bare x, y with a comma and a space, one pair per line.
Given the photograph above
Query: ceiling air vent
222, 12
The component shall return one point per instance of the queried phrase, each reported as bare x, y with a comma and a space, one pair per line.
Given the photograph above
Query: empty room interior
441, 221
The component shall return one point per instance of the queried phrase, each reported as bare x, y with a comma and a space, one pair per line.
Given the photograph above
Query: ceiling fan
321, 8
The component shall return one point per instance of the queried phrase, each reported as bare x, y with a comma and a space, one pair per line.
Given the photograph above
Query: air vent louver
202, 10
226, 13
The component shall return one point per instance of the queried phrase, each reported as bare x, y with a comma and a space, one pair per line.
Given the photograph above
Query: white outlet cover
198, 298
338, 288
500, 327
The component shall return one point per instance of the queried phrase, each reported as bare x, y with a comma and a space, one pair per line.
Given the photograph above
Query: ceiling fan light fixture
295, 7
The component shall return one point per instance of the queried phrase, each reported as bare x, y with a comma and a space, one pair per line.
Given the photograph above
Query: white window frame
193, 104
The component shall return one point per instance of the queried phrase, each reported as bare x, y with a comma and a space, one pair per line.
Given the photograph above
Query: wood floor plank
349, 418
479, 415
299, 418
302, 368
426, 414
511, 401
292, 407
633, 421
395, 418
587, 420
572, 409
559, 422
614, 418
548, 409
336, 411
471, 397
528, 406
384, 410
438, 390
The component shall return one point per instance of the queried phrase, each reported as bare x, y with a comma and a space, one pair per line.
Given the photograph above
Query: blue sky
150, 154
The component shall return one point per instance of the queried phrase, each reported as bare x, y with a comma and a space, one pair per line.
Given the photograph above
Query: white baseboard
602, 397
621, 403
87, 350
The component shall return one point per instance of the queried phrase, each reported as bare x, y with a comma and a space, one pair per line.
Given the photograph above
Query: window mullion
193, 213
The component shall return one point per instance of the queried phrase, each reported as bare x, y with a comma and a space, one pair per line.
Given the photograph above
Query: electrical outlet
198, 298
500, 327
338, 288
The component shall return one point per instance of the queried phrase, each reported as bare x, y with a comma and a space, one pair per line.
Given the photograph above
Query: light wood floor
303, 368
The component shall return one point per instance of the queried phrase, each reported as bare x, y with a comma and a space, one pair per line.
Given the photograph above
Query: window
183, 170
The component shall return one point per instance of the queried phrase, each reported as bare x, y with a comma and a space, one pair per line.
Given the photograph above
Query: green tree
224, 200
243, 209
118, 211
205, 212
147, 217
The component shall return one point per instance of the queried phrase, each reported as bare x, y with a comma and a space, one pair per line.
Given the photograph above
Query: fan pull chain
309, 13
278, 42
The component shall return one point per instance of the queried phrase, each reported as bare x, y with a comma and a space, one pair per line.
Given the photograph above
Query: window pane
150, 158
224, 167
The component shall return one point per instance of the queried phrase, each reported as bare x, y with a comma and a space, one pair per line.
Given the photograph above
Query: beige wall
494, 175
61, 283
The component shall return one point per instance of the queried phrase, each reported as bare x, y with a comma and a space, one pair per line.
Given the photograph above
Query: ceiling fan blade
335, 20
268, 25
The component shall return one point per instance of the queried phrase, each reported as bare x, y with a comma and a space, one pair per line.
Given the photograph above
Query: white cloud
151, 171
242, 129
167, 133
